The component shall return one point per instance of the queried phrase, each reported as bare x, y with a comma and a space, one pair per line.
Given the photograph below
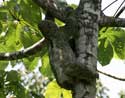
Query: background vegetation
33, 77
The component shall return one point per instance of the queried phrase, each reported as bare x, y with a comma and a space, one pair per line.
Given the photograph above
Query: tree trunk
73, 48
88, 14
75, 66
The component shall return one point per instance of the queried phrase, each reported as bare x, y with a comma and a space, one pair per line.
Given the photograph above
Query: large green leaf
9, 38
30, 12
46, 68
105, 52
28, 38
20, 31
12, 37
55, 91
111, 42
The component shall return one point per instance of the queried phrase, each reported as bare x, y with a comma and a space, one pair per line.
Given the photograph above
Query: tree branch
114, 77
111, 22
24, 53
114, 21
48, 6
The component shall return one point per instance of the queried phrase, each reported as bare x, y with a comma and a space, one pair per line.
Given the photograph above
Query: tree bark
88, 14
74, 64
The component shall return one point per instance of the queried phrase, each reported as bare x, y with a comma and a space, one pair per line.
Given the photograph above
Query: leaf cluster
111, 44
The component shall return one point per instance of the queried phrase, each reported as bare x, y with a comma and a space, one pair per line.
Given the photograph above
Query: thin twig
112, 76
109, 5
117, 14
120, 12
119, 8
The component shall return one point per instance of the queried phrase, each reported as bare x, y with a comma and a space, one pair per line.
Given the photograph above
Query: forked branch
49, 6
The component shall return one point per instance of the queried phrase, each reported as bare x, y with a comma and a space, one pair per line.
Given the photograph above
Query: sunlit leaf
55, 91
28, 37
111, 42
119, 43
59, 23
32, 16
46, 69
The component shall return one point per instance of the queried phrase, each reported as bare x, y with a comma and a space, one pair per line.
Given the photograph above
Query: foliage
54, 91
101, 90
10, 84
111, 44
18, 30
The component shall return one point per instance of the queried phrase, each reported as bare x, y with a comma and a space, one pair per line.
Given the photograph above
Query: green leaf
105, 52
18, 32
33, 13
111, 44
3, 16
46, 68
3, 9
74, 6
119, 43
59, 23
3, 65
2, 48
28, 37
12, 76
31, 63
10, 40
2, 74
119, 48
55, 91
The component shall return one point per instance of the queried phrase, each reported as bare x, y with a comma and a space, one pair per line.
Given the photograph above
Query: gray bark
74, 64
88, 14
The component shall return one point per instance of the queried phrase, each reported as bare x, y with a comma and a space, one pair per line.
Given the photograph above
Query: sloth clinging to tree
69, 71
